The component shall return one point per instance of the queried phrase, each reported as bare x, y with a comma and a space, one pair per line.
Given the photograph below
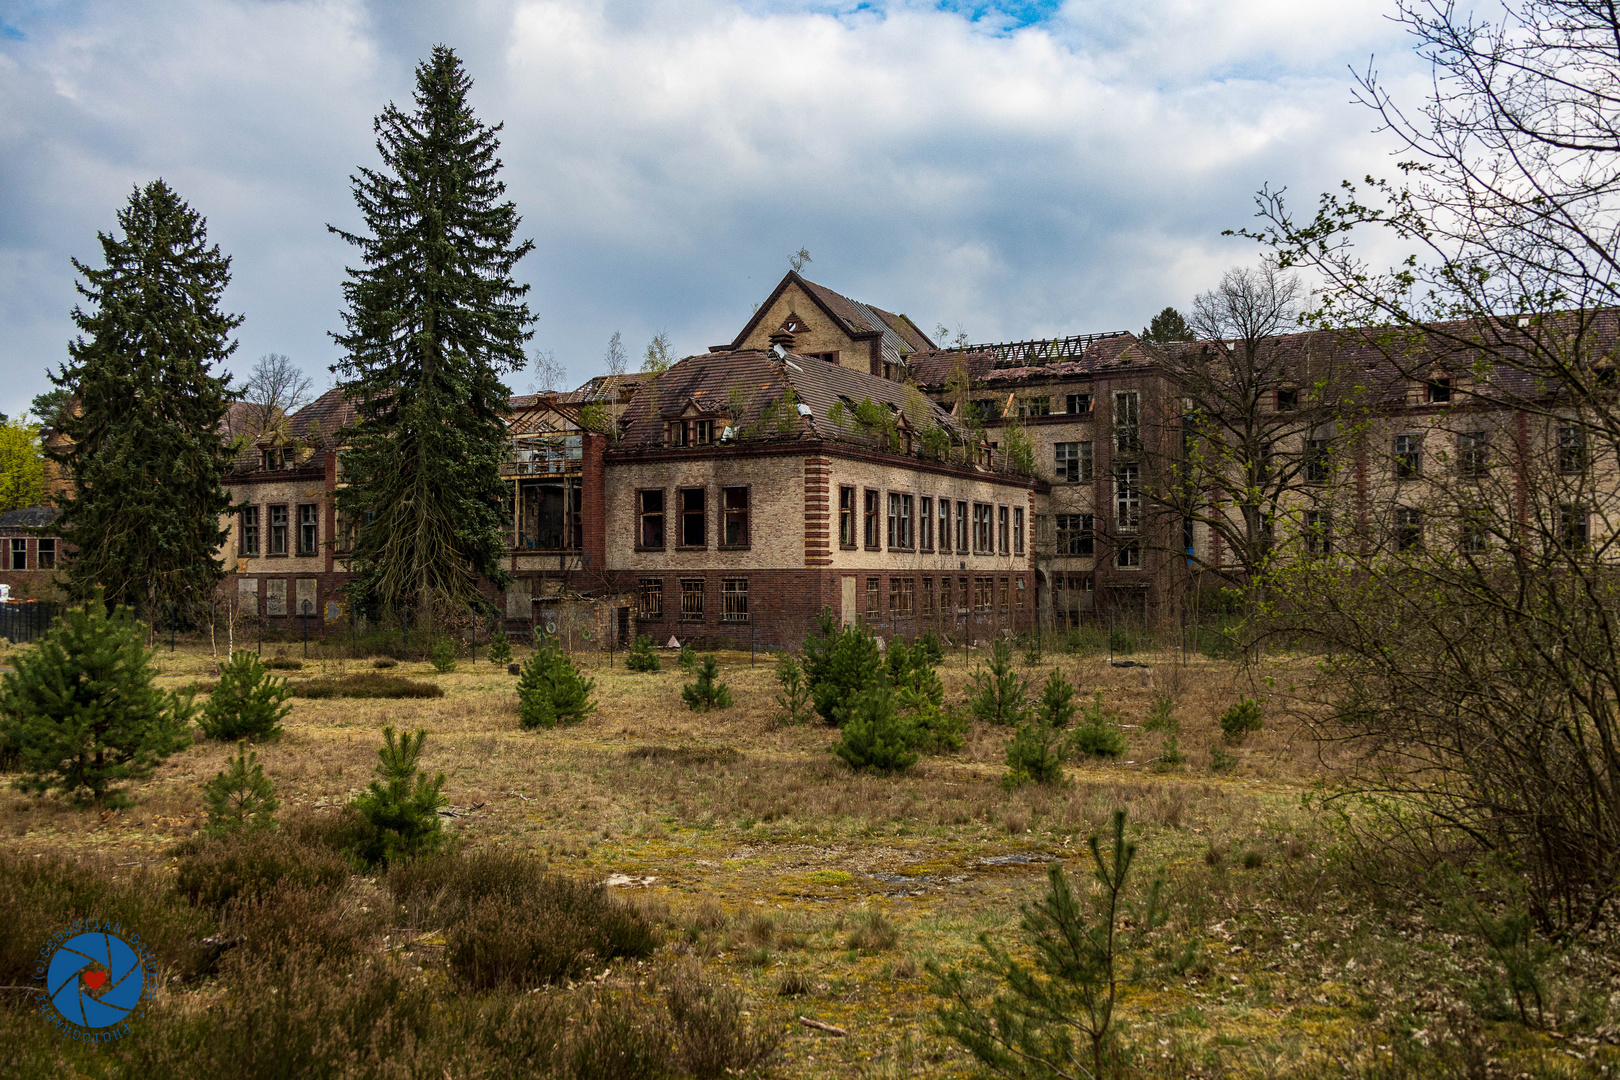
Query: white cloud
1071, 175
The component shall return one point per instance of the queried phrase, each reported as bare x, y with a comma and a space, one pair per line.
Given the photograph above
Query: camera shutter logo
95, 980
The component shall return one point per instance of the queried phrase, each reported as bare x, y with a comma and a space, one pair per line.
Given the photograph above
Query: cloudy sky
1011, 169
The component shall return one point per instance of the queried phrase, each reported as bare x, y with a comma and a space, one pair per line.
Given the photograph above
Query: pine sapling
875, 737
240, 798
642, 656
1098, 734
401, 807
1056, 706
500, 647
443, 656
551, 690
1034, 755
794, 700
248, 703
1000, 695
707, 692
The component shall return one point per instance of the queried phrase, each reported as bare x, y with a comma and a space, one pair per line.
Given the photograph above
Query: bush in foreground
707, 691
642, 656
240, 797
1034, 755
1000, 695
401, 807
875, 737
252, 865
248, 702
81, 712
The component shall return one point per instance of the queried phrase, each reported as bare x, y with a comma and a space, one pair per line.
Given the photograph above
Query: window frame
1571, 445
944, 525
925, 523
1574, 526
19, 547
247, 535
1037, 405
702, 515
1128, 556
1406, 454
1316, 528
650, 600
871, 523
1127, 422
1071, 400
902, 521
45, 553
846, 517
645, 517
1018, 530
962, 546
1408, 529
692, 600
1127, 498
1003, 530
271, 551
734, 600
730, 515
1316, 461
1080, 535
309, 530
1473, 454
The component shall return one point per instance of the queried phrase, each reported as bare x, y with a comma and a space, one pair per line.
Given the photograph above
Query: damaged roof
748, 388
901, 337
30, 517
932, 369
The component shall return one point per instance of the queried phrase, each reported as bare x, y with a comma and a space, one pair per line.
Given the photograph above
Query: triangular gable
813, 293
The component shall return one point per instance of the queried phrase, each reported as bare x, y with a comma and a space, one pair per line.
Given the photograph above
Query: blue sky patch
1016, 14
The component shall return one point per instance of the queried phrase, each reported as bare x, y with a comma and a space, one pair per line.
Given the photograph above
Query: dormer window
276, 458
1288, 399
691, 432
1438, 390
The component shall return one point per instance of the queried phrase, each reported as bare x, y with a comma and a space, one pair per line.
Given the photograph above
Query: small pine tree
794, 700
1098, 734
80, 709
248, 703
1001, 696
240, 798
875, 737
1241, 720
443, 656
642, 656
708, 692
1171, 758
1032, 653
928, 641
1034, 755
401, 808
818, 646
551, 690
1056, 707
500, 648
852, 664
1162, 715
688, 659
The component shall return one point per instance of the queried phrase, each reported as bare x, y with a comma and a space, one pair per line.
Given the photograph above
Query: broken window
1002, 532
873, 537
872, 599
1128, 556
846, 517
652, 519
19, 554
1127, 422
1438, 391
962, 527
900, 534
552, 515
694, 518
278, 530
735, 503
1018, 530
1316, 461
1408, 451
1571, 449
734, 600
900, 595
1073, 462
1075, 535
47, 553
1006, 596
1128, 498
1473, 454
984, 540
925, 523
1035, 406
944, 525
650, 599
1474, 536
983, 593
1077, 403
1318, 532
1408, 529
1288, 399
308, 528
1573, 525
249, 531
275, 596
928, 596
691, 600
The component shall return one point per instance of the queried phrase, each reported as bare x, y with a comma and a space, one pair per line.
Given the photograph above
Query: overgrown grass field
764, 867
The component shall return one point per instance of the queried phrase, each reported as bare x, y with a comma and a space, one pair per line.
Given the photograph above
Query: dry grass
790, 879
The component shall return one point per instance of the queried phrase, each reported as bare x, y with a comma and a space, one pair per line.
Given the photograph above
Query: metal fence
26, 620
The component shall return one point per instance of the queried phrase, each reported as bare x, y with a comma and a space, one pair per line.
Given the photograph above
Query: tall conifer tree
434, 321
144, 449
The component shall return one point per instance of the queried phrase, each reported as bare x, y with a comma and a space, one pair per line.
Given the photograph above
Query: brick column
330, 513
593, 501
817, 512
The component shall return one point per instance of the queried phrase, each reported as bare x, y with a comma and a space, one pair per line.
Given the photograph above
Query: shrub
252, 865
500, 647
710, 1034
851, 664
708, 692
642, 656
1221, 761
551, 690
1032, 653
512, 923
284, 663
818, 645
240, 797
443, 656
932, 648
1029, 1026
1056, 709
873, 932
875, 738
367, 685
248, 702
794, 700
1034, 755
1162, 715
81, 709
935, 730
909, 669
1170, 756
401, 808
1098, 734
1241, 719
688, 659
384, 662
999, 696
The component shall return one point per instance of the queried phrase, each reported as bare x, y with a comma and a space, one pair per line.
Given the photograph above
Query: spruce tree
143, 448
434, 320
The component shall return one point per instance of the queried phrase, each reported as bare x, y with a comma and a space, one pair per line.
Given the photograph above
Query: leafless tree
549, 376
659, 355
616, 359
275, 389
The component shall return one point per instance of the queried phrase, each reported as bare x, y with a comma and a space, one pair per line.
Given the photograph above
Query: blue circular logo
95, 980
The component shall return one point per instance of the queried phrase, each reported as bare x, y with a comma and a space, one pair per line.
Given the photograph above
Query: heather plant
248, 703
551, 690
875, 737
81, 711
707, 691
240, 798
642, 656
1000, 694
401, 807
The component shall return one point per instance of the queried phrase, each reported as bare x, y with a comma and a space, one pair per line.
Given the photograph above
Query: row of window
45, 556
1474, 457
733, 600
1473, 535
914, 526
274, 538
691, 512
917, 596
